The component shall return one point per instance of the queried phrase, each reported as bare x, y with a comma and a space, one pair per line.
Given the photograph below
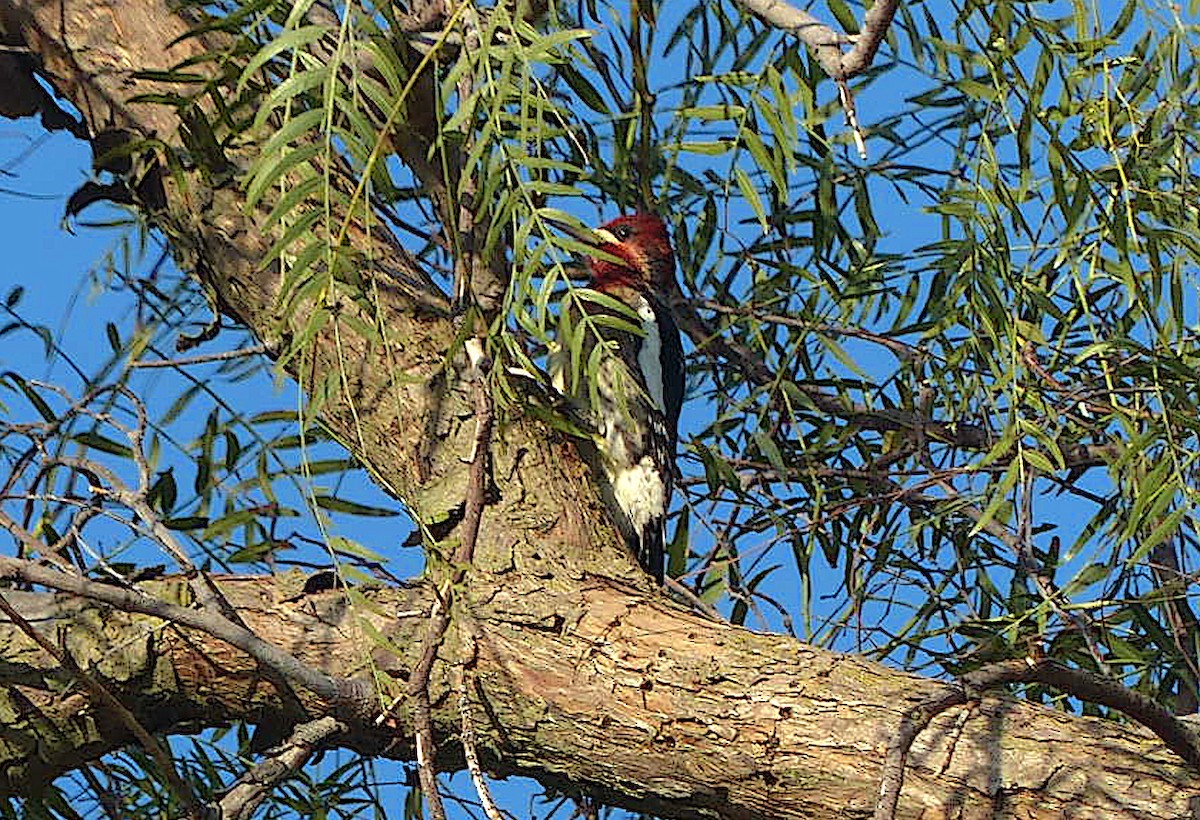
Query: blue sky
60, 293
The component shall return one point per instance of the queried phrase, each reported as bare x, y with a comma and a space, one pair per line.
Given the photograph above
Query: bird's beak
592, 237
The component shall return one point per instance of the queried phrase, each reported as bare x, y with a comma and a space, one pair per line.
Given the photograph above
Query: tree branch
1079, 683
282, 762
439, 619
180, 789
825, 42
875, 26
207, 621
965, 435
490, 809
698, 718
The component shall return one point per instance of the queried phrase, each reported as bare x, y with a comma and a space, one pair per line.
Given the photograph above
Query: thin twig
911, 725
467, 262
116, 490
1046, 587
468, 743
439, 619
957, 433
848, 105
1173, 583
695, 601
901, 349
225, 355
643, 104
480, 455
135, 500
108, 802
418, 690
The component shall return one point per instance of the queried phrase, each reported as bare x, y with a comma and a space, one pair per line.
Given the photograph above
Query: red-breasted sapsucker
638, 383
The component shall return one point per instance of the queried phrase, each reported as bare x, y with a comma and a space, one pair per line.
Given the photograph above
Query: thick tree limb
1078, 683
180, 789
210, 622
697, 717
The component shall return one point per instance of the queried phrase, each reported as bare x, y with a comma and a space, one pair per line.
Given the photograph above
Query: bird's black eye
623, 232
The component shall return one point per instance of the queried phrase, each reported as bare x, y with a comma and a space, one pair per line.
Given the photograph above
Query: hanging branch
439, 618
253, 787
469, 753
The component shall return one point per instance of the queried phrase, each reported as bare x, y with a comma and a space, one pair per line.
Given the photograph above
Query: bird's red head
642, 243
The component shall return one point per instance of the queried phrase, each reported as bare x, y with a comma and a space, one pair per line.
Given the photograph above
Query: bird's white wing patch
557, 364
650, 354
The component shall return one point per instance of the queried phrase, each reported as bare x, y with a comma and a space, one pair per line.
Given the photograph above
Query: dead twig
225, 355
240, 802
439, 618
468, 743
418, 690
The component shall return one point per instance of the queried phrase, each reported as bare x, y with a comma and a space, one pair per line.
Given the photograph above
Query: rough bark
585, 679
597, 688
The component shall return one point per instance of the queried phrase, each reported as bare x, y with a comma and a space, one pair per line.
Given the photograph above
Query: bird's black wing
636, 440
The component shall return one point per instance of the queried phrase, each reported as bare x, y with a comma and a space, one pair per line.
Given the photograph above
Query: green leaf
583, 89
218, 528
267, 174
96, 441
709, 148
335, 504
287, 41
39, 404
190, 522
347, 546
750, 194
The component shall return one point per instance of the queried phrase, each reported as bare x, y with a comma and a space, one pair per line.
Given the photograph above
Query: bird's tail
649, 548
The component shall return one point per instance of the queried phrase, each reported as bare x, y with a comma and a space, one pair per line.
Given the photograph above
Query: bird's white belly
639, 491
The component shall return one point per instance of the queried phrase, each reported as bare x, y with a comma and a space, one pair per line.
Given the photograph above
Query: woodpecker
639, 383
